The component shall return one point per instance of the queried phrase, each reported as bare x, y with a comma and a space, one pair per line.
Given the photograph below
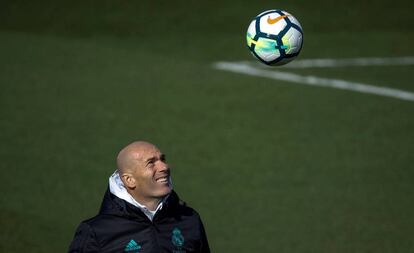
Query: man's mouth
162, 180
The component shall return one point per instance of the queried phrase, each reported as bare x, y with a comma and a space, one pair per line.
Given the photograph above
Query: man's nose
163, 166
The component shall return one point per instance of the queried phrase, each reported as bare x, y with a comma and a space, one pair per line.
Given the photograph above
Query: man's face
152, 174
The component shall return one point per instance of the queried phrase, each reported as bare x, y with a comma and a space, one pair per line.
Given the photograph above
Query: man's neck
150, 203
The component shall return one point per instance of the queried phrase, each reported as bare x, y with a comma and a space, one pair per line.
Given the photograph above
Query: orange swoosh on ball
275, 20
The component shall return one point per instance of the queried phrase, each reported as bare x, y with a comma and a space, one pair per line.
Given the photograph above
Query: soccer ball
275, 37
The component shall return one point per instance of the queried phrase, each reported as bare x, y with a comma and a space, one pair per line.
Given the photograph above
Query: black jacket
122, 227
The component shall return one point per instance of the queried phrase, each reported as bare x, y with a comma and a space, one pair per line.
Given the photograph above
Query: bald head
129, 156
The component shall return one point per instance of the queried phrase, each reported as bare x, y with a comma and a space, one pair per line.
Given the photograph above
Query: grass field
271, 166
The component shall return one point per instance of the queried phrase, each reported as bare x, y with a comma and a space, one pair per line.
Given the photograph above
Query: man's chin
168, 190
164, 191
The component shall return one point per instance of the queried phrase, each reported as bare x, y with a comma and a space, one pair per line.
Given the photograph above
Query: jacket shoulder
84, 239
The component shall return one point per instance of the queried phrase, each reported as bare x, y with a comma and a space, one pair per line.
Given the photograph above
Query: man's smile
162, 179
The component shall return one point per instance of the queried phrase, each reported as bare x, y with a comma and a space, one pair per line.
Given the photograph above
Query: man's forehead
147, 153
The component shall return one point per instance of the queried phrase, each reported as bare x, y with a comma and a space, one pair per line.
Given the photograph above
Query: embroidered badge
178, 240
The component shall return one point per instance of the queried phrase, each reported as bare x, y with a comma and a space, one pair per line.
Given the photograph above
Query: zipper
155, 234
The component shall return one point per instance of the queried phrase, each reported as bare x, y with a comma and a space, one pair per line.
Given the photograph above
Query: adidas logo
131, 246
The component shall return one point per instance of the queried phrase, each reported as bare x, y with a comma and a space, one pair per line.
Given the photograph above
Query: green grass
271, 166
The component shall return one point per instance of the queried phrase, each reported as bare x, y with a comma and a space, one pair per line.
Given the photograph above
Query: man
140, 212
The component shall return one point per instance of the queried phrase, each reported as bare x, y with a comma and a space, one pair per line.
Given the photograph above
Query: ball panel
292, 19
252, 28
292, 40
266, 49
251, 32
272, 23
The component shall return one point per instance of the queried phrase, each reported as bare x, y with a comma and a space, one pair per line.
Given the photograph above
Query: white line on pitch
330, 63
314, 81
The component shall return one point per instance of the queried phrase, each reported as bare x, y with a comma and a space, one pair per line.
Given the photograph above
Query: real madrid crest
178, 240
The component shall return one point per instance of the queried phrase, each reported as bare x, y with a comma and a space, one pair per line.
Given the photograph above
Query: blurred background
271, 166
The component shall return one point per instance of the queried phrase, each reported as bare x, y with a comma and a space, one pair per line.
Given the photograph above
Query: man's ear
128, 180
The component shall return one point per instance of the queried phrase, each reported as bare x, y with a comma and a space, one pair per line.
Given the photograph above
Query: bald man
140, 211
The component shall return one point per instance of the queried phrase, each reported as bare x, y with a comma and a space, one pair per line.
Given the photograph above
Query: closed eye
150, 161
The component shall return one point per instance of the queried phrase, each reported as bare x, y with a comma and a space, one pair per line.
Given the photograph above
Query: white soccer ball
275, 37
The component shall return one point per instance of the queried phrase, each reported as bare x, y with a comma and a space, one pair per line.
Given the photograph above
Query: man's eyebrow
153, 158
149, 159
